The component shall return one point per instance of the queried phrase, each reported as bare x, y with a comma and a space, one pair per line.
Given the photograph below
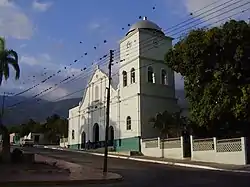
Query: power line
231, 15
166, 32
154, 37
147, 64
200, 14
48, 89
49, 77
54, 74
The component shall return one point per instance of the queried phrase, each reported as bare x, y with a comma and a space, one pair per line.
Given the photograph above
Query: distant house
14, 138
38, 138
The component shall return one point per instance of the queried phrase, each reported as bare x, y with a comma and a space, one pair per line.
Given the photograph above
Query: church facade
146, 87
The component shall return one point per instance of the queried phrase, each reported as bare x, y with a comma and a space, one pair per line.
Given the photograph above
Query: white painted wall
158, 152
232, 157
138, 100
155, 97
73, 125
152, 151
147, 47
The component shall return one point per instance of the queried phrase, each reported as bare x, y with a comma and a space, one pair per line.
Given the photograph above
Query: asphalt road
143, 174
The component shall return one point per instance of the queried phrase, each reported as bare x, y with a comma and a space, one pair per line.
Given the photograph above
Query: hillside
31, 109
39, 112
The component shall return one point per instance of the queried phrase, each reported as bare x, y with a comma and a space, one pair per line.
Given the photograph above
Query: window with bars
132, 72
125, 78
128, 123
151, 75
164, 77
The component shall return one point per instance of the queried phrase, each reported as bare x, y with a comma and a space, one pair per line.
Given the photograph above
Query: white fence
169, 148
225, 151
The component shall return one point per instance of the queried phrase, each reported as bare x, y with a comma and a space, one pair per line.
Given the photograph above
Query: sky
70, 35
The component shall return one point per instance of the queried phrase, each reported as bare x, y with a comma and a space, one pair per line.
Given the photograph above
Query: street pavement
143, 174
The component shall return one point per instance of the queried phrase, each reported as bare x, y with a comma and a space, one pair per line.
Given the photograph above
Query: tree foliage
169, 124
215, 64
8, 57
54, 126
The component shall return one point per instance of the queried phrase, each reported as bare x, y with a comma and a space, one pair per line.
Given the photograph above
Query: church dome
145, 24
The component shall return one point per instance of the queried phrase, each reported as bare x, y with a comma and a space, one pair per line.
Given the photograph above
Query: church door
111, 136
83, 142
96, 133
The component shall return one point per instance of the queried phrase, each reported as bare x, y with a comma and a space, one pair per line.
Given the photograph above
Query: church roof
144, 24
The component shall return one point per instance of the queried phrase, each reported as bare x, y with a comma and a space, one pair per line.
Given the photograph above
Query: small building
14, 138
38, 138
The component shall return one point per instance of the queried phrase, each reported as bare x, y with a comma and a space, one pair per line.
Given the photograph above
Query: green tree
56, 126
215, 64
168, 124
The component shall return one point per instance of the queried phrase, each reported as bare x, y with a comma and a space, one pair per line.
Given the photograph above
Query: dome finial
145, 18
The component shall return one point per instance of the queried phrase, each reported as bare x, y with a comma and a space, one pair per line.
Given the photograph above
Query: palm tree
7, 57
169, 125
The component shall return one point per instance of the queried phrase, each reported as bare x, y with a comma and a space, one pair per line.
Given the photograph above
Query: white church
146, 87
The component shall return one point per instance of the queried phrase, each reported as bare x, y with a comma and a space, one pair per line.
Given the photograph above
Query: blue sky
47, 34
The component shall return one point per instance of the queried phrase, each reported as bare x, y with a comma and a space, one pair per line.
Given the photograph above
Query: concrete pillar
182, 146
244, 148
192, 148
215, 144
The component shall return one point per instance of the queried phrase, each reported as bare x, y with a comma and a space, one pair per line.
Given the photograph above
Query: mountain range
31, 109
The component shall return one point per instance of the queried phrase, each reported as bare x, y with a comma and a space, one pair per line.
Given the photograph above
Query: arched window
73, 134
132, 72
125, 78
128, 123
151, 75
96, 92
164, 78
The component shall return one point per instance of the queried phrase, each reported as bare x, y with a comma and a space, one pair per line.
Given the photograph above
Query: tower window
96, 92
132, 75
128, 123
125, 78
164, 78
151, 75
73, 134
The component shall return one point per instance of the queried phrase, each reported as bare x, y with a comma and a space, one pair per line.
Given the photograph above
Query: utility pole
2, 109
105, 163
5, 94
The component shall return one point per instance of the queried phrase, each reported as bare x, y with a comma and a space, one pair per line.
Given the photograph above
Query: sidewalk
174, 162
50, 171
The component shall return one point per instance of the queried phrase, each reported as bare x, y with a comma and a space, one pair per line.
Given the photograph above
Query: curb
73, 181
156, 161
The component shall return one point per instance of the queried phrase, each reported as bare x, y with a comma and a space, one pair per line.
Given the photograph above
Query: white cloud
46, 56
40, 64
29, 60
41, 7
217, 10
100, 25
94, 26
6, 3
52, 94
42, 60
22, 46
13, 21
